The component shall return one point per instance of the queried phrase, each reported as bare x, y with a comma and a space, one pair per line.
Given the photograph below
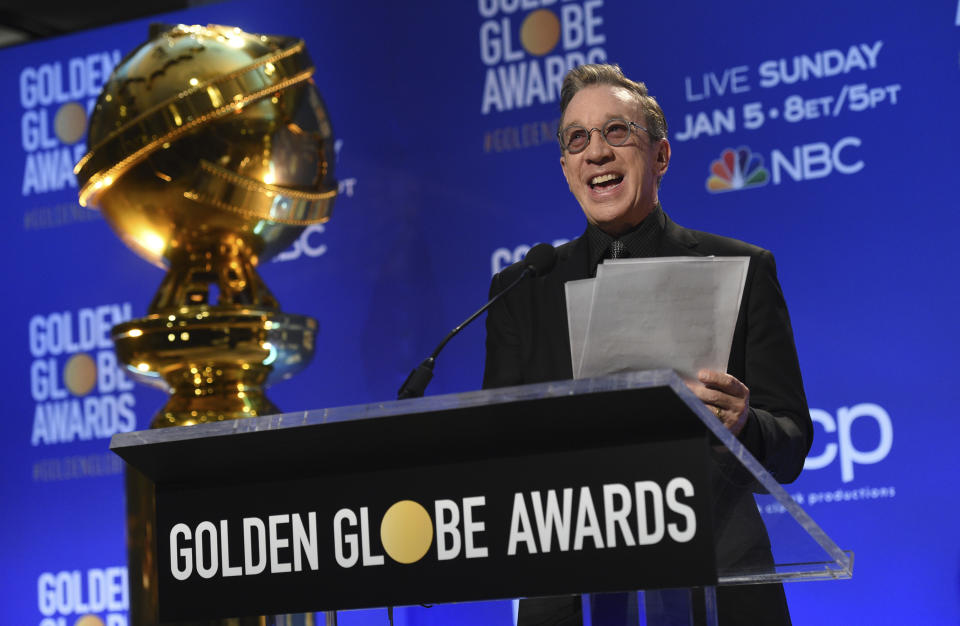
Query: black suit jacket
528, 342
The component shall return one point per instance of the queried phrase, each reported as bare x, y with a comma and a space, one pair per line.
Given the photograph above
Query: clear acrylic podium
613, 484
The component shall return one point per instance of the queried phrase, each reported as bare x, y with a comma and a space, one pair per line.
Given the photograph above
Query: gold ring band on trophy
230, 191
166, 121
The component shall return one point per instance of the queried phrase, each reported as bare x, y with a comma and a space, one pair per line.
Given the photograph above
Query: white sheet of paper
666, 312
579, 300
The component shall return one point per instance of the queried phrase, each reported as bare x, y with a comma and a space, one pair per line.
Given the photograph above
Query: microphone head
540, 259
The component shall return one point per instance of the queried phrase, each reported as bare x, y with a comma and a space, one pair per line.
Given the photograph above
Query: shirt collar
643, 240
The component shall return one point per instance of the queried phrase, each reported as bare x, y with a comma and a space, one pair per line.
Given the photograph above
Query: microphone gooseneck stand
539, 261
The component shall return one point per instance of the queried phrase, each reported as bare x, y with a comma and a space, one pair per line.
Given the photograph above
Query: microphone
539, 261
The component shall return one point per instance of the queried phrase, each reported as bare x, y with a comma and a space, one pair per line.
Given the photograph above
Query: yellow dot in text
406, 531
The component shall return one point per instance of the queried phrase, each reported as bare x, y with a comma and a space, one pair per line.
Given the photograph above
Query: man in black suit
614, 152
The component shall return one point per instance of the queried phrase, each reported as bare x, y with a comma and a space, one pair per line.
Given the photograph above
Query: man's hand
726, 396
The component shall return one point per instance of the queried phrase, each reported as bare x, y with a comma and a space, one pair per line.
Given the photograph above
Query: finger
717, 380
723, 382
705, 394
715, 397
713, 378
727, 417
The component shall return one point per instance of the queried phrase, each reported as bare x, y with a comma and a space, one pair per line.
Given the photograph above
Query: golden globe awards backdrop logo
95, 597
56, 99
526, 47
80, 392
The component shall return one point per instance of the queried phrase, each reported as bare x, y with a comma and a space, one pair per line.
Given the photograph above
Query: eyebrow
608, 118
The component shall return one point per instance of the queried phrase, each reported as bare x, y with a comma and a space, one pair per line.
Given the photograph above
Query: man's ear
663, 157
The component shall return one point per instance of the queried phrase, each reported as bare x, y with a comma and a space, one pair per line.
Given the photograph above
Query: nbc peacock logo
737, 169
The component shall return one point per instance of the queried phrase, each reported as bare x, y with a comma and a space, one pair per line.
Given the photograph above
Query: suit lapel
576, 264
677, 240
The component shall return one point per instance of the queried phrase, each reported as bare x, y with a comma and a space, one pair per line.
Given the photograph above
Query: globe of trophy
210, 152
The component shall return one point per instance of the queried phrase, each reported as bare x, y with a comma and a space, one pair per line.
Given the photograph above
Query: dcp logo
844, 447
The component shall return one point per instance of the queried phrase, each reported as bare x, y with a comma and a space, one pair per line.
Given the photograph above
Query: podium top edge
622, 381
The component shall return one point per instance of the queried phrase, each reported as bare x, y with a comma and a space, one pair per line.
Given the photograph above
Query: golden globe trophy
210, 151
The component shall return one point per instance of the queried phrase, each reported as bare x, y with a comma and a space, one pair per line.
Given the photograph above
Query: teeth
602, 179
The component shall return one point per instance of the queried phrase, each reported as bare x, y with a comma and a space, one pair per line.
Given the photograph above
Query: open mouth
605, 181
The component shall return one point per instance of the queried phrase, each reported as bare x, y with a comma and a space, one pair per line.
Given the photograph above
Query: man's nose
598, 150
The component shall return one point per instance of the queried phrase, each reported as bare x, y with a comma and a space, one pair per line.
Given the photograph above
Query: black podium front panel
617, 518
573, 487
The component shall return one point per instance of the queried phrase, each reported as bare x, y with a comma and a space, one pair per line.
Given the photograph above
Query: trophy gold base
215, 361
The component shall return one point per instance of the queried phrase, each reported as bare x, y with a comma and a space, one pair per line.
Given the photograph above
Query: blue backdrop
825, 132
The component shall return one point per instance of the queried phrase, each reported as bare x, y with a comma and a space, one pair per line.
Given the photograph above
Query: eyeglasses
575, 138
